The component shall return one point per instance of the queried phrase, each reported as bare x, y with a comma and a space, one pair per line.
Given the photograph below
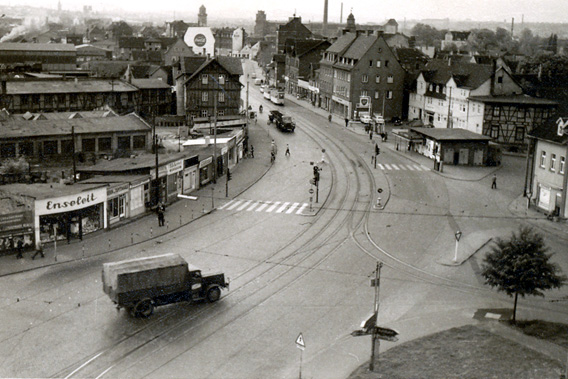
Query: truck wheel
213, 294
144, 308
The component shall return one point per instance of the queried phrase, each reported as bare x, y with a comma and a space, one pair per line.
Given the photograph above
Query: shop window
552, 162
49, 147
542, 159
105, 144
26, 148
124, 143
7, 150
116, 206
139, 142
88, 145
519, 133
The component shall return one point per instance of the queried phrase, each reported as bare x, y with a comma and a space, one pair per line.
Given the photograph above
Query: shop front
190, 182
341, 107
205, 171
117, 202
71, 216
15, 227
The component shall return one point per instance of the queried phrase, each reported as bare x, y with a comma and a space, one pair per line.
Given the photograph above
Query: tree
520, 266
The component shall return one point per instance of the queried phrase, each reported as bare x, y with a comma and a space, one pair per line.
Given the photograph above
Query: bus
277, 96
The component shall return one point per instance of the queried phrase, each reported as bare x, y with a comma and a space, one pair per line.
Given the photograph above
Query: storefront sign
118, 189
174, 167
17, 222
205, 162
339, 100
162, 171
70, 202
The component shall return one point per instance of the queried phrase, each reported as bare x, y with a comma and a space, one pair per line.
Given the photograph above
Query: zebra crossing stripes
265, 206
401, 167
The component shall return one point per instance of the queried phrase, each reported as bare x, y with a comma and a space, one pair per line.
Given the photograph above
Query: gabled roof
549, 131
468, 75
189, 65
342, 43
67, 86
131, 43
360, 46
304, 46
231, 64
150, 84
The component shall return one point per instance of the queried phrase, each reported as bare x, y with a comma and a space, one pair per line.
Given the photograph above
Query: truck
282, 122
140, 284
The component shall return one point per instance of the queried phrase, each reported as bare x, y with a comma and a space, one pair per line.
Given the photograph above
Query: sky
365, 11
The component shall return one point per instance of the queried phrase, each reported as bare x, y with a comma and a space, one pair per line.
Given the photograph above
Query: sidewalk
141, 229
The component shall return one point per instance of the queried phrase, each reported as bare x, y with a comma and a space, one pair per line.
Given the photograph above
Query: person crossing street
287, 153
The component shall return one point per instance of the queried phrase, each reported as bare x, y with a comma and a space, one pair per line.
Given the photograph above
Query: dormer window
204, 79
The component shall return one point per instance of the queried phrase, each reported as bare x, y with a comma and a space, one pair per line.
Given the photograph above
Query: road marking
302, 208
292, 208
388, 167
244, 205
262, 206
252, 206
234, 205
381, 166
273, 206
283, 207
419, 168
395, 167
410, 167
226, 204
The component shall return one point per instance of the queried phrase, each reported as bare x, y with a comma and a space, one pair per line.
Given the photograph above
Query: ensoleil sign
71, 202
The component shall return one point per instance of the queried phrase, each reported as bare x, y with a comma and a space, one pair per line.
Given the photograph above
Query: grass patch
550, 331
465, 352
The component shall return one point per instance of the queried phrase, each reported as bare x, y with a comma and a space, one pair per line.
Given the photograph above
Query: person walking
20, 249
160, 210
494, 182
38, 251
346, 122
287, 153
251, 151
329, 118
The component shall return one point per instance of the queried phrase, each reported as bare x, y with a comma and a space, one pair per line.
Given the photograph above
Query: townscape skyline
365, 11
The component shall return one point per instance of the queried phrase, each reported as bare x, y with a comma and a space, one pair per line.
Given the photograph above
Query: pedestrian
160, 210
371, 135
329, 118
287, 153
38, 251
20, 249
346, 122
494, 182
251, 151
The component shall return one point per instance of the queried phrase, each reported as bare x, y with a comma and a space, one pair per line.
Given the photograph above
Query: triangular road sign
300, 342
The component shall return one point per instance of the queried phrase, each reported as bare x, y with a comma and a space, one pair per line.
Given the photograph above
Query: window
204, 113
8, 150
377, 79
105, 144
88, 144
542, 158
221, 98
496, 111
519, 133
390, 79
386, 63
204, 79
500, 80
552, 162
66, 146
562, 163
50, 147
27, 148
204, 96
389, 94
221, 113
364, 93
371, 63
364, 78
376, 94
378, 63
222, 79
124, 143
495, 131
138, 142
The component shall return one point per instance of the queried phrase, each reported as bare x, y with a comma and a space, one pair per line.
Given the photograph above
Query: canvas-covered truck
282, 122
141, 284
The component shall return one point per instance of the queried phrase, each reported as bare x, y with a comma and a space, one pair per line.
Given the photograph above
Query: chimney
324, 26
341, 15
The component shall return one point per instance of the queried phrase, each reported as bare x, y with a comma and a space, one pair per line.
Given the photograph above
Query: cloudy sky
312, 10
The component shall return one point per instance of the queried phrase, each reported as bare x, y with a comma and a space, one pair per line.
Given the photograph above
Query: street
292, 269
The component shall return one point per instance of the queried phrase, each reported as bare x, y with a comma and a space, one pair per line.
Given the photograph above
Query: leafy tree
520, 266
427, 35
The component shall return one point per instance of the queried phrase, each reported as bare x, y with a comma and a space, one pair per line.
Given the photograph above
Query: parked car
365, 119
397, 121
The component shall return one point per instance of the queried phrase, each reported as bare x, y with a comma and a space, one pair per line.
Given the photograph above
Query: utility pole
214, 136
73, 152
375, 342
450, 123
155, 143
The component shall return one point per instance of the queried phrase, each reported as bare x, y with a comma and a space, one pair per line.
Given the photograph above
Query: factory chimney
341, 15
324, 26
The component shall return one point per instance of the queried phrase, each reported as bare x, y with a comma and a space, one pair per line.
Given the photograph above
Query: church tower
202, 16
351, 22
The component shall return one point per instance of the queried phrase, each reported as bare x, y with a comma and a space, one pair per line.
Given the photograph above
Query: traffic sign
369, 323
380, 190
458, 235
386, 334
311, 190
300, 344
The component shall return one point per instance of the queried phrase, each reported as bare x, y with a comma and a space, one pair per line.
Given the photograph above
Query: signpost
300, 344
458, 236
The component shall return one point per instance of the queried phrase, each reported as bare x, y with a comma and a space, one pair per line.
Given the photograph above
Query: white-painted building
201, 40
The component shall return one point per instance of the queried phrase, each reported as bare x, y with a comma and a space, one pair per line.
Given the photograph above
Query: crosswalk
401, 167
284, 207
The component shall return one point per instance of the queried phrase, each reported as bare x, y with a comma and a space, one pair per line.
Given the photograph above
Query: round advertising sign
199, 40
364, 101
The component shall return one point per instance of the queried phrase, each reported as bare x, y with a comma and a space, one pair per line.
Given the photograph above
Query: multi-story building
365, 76
547, 175
484, 99
293, 29
300, 56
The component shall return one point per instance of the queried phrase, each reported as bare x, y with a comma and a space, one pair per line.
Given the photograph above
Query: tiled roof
549, 131
514, 99
189, 65
67, 86
470, 75
231, 64
131, 43
150, 84
342, 43
26, 128
360, 46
